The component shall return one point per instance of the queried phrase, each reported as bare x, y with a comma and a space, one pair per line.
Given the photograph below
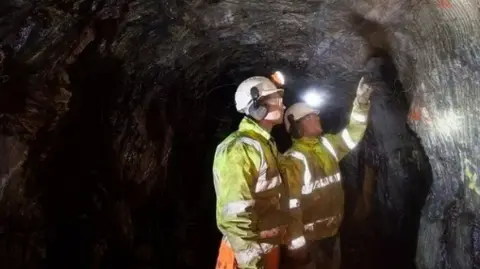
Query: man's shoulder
239, 139
289, 151
296, 151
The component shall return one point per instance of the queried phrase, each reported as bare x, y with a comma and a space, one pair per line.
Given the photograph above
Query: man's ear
294, 127
299, 127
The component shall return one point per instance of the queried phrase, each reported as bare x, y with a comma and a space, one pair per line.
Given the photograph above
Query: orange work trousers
226, 257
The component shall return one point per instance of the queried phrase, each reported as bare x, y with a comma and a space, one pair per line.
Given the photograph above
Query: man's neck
266, 125
316, 135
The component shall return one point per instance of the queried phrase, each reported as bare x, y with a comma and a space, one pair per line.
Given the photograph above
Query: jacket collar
249, 125
310, 141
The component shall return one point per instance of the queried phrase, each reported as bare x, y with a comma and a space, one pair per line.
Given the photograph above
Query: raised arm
342, 143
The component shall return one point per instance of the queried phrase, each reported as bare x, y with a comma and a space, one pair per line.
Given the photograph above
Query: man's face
274, 104
311, 125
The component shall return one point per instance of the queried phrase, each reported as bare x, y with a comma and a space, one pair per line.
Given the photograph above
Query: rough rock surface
110, 112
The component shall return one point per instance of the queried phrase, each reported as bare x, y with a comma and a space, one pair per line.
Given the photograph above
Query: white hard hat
243, 96
298, 111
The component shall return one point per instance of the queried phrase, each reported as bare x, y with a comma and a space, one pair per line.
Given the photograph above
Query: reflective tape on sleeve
264, 184
237, 207
246, 256
359, 117
297, 243
348, 139
294, 203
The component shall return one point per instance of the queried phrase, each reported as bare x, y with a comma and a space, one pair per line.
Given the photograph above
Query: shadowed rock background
110, 112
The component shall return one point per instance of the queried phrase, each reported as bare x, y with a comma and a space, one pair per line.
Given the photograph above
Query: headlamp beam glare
313, 99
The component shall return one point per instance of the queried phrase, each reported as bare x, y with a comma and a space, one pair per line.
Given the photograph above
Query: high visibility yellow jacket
252, 204
311, 169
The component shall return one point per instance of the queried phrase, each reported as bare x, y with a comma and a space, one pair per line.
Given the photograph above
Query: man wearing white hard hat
311, 168
252, 204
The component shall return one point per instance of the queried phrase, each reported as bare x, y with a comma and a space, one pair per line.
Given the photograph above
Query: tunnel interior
110, 112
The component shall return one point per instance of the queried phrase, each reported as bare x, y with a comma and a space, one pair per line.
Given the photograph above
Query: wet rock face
110, 112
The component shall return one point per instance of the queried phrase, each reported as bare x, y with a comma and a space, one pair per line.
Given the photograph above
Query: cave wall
107, 127
439, 72
449, 131
386, 178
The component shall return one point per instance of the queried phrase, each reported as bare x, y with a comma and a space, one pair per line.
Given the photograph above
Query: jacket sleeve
235, 168
292, 171
343, 142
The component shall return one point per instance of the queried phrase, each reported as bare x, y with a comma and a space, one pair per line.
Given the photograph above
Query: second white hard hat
243, 96
298, 111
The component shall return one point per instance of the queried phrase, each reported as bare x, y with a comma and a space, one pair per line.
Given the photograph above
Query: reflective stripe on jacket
252, 206
311, 169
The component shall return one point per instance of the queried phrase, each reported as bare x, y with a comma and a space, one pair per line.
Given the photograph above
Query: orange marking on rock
444, 3
415, 114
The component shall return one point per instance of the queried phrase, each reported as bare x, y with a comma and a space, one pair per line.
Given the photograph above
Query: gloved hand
363, 93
